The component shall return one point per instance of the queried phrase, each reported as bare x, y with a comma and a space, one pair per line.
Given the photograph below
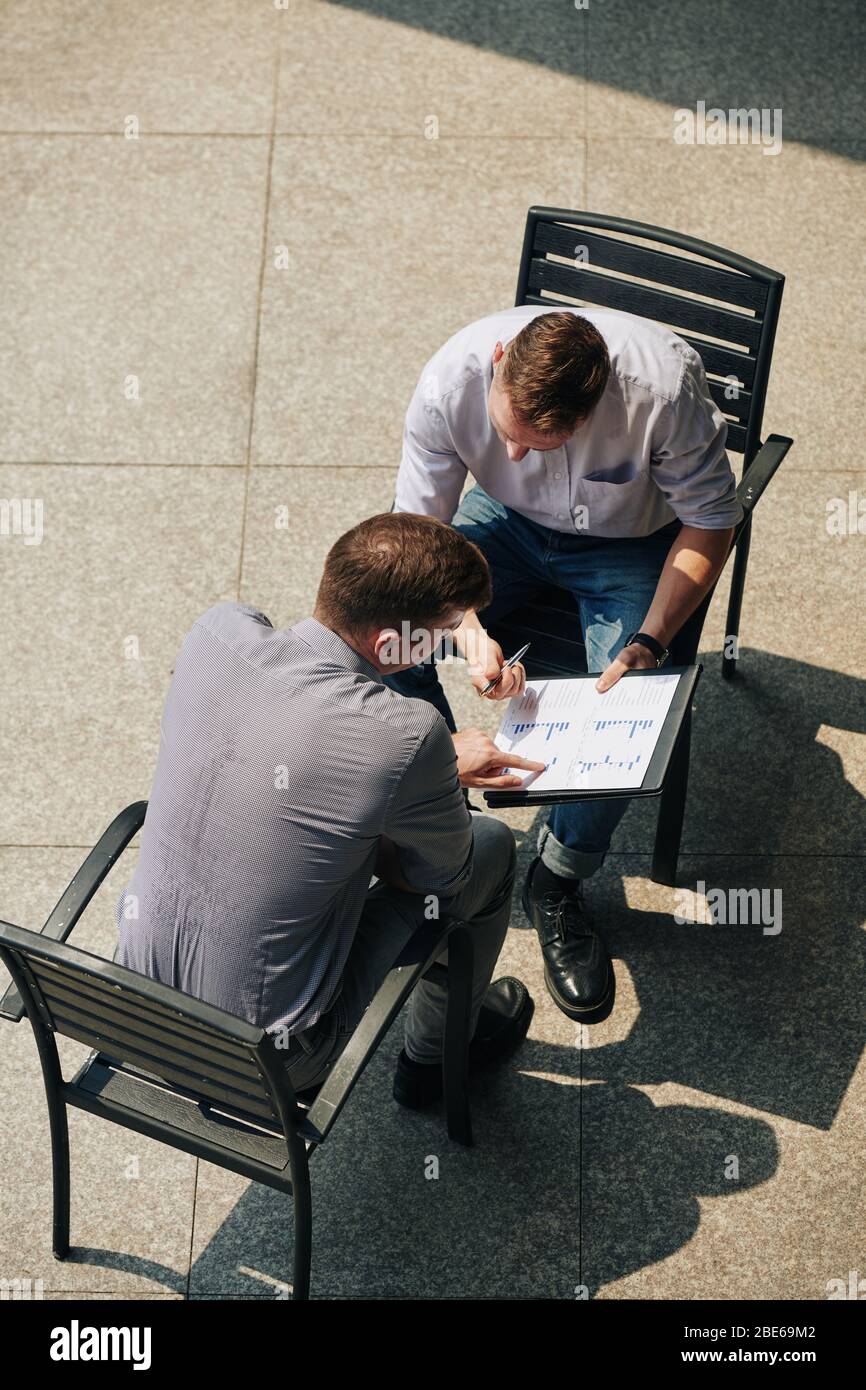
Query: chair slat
159, 1061
648, 303
722, 361
233, 1071
660, 267
184, 1080
147, 1010
738, 406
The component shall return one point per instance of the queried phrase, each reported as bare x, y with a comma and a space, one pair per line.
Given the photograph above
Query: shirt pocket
625, 472
618, 505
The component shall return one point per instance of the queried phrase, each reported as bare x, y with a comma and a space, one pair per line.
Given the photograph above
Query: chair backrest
725, 306
200, 1051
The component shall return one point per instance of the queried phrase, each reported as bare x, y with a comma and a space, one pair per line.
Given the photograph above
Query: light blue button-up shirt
651, 451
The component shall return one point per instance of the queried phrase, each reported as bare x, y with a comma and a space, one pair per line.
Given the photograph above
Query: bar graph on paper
588, 741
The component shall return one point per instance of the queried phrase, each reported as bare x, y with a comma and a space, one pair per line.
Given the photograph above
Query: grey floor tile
388, 223
33, 880
446, 69
130, 281
129, 558
175, 68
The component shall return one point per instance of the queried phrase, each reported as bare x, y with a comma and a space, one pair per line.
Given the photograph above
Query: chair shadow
503, 1220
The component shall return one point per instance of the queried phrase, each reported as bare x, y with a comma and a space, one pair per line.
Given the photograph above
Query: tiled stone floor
166, 386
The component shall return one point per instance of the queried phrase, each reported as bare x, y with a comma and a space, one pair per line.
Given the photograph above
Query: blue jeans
612, 582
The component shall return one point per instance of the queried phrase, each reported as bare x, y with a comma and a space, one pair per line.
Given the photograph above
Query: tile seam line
190, 1256
201, 467
266, 213
346, 136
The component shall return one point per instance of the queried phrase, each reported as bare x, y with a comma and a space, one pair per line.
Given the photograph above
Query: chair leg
455, 1053
735, 601
303, 1231
60, 1173
672, 810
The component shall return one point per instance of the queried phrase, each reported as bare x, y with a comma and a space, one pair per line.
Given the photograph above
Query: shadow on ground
792, 55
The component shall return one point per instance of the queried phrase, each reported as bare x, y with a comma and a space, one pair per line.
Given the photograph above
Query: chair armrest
758, 475
96, 866
414, 960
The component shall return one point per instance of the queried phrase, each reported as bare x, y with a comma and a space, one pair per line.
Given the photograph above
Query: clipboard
654, 778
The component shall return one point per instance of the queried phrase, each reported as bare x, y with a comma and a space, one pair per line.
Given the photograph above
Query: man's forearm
470, 637
693, 565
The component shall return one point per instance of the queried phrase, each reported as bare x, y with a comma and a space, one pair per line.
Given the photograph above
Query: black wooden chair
193, 1076
727, 308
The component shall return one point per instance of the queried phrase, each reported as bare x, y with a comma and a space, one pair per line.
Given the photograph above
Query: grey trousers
389, 919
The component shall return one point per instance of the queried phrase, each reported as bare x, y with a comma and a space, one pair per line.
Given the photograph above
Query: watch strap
658, 651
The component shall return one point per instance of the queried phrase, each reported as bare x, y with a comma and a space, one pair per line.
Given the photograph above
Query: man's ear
386, 647
497, 354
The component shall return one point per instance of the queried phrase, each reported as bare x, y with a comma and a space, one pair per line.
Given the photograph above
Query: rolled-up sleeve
428, 819
431, 475
689, 462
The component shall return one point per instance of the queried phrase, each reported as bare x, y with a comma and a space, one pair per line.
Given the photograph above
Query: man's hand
635, 657
486, 661
490, 666
480, 762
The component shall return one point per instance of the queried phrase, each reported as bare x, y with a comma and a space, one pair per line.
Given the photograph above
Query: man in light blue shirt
599, 460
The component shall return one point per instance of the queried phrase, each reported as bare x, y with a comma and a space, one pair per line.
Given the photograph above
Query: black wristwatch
660, 653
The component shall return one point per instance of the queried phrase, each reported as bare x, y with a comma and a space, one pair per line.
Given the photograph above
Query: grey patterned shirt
282, 760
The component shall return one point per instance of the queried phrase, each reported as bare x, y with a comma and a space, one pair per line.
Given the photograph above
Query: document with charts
590, 742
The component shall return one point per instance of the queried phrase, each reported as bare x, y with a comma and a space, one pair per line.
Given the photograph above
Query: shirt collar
329, 644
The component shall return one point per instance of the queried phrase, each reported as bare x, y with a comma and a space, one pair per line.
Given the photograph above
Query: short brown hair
398, 567
555, 371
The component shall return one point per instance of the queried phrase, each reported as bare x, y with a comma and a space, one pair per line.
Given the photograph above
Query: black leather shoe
577, 969
503, 1021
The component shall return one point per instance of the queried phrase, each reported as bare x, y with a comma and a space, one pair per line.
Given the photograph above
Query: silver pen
512, 661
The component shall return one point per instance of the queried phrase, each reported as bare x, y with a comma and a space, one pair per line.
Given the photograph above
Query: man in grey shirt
288, 774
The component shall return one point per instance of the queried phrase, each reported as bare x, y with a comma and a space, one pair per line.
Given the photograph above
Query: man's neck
350, 641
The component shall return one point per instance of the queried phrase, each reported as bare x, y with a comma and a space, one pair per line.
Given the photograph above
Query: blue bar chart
588, 741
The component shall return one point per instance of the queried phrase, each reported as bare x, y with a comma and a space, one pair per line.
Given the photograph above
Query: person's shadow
567, 1188
773, 1020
